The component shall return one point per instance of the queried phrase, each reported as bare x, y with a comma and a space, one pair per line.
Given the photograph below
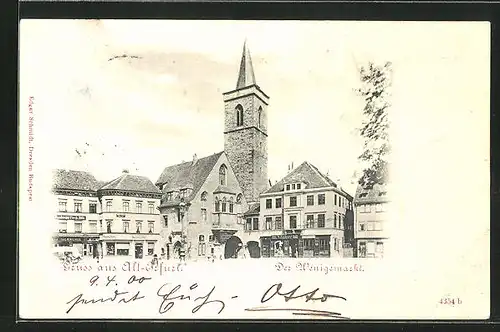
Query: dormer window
170, 196
293, 186
287, 187
363, 195
298, 186
382, 193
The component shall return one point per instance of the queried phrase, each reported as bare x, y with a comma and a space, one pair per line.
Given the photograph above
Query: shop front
286, 245
316, 246
86, 244
128, 245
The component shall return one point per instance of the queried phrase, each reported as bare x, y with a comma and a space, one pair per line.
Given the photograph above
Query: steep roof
129, 182
74, 180
254, 208
304, 173
246, 76
188, 175
376, 194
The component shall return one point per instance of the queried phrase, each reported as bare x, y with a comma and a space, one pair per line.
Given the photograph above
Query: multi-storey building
303, 215
371, 220
130, 218
201, 208
117, 218
78, 210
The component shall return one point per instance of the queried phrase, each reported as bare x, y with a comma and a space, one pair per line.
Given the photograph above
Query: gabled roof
74, 180
188, 175
306, 173
246, 76
129, 182
254, 208
376, 194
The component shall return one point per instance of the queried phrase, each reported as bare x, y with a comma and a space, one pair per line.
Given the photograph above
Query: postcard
292, 170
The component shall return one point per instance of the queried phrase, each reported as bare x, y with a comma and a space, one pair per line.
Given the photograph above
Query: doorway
138, 250
233, 244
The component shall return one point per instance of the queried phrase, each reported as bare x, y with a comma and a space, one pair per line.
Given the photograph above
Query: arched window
239, 198
239, 115
222, 174
201, 238
204, 196
260, 117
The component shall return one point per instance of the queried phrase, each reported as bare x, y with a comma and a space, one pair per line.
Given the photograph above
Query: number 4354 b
450, 300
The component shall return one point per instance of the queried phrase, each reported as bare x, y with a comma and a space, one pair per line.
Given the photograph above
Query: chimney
270, 184
195, 158
125, 171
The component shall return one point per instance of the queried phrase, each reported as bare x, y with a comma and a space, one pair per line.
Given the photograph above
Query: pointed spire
246, 76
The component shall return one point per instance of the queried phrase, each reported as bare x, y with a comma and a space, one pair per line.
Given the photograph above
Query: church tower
245, 130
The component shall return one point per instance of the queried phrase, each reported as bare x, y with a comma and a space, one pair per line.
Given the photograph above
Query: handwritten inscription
170, 296
197, 297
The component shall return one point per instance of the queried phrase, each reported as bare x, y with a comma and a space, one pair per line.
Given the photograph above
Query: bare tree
375, 86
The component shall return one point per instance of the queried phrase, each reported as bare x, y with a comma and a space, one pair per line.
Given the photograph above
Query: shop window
78, 227
138, 207
138, 226
321, 220
151, 248
126, 226
293, 222
63, 227
293, 201
92, 207
308, 244
78, 207
151, 226
278, 223
110, 249
321, 199
63, 206
362, 249
278, 203
122, 249
324, 244
269, 203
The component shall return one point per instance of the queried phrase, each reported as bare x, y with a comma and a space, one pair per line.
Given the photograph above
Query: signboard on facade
70, 217
120, 216
285, 237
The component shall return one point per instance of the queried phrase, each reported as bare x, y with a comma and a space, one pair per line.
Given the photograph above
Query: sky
163, 102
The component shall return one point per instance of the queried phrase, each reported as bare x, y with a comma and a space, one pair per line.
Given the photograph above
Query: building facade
201, 208
78, 211
303, 215
130, 217
115, 218
245, 131
371, 221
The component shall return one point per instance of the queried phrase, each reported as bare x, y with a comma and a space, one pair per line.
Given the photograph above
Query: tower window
260, 117
239, 115
222, 175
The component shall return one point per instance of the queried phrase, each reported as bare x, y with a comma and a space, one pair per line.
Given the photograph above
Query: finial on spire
246, 76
